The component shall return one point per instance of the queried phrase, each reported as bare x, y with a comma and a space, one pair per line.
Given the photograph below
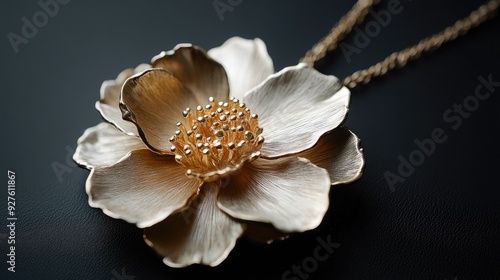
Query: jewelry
198, 170
396, 59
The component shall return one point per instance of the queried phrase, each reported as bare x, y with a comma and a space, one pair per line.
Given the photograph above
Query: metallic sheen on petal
290, 192
143, 188
338, 152
110, 98
296, 106
104, 145
200, 234
203, 76
246, 62
154, 101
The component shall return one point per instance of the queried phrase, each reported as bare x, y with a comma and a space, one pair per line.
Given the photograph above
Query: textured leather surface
442, 222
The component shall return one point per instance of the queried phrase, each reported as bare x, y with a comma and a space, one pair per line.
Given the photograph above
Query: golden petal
110, 98
202, 75
154, 101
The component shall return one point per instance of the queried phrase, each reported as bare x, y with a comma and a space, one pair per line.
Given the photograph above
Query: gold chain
396, 59
355, 16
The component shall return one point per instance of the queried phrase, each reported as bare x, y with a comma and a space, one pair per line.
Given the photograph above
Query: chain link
396, 59
355, 16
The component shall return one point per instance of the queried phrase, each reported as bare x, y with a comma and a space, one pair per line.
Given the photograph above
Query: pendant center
216, 140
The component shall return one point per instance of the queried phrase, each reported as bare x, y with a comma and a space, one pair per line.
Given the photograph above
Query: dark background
442, 222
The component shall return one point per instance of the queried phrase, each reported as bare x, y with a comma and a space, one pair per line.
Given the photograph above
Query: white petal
201, 234
290, 192
143, 188
110, 98
104, 145
246, 62
339, 153
295, 107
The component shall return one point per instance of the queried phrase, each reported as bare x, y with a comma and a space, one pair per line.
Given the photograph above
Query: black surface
442, 222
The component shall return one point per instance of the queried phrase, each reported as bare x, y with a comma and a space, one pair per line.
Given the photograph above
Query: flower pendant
200, 148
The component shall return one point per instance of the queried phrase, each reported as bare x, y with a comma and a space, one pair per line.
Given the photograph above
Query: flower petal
201, 234
110, 98
291, 193
197, 71
339, 153
143, 188
246, 62
154, 101
295, 107
104, 145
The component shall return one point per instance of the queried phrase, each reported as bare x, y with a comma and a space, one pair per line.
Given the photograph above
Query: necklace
396, 59
198, 170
